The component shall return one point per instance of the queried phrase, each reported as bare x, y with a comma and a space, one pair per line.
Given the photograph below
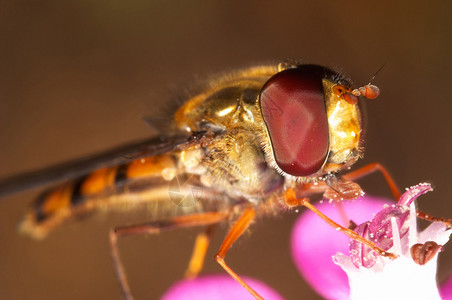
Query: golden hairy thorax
234, 161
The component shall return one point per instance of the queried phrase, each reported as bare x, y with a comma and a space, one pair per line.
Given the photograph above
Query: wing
140, 176
79, 167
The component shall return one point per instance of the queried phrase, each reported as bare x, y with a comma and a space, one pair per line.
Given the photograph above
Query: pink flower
380, 229
367, 275
315, 247
314, 243
217, 287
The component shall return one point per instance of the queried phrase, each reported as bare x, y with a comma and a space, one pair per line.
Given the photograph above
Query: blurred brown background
76, 77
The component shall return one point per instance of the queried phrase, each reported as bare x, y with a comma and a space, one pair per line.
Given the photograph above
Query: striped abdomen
121, 187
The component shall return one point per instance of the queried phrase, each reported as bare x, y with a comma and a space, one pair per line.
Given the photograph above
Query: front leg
291, 201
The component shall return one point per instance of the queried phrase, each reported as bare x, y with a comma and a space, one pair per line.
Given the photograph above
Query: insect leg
203, 219
309, 188
373, 167
427, 217
198, 256
236, 231
292, 200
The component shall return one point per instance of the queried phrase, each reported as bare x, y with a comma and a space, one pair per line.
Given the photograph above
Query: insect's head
314, 124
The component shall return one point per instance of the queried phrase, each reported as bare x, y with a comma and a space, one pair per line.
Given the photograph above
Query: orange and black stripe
73, 194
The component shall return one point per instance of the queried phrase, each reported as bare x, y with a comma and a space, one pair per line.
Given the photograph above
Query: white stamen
396, 243
412, 228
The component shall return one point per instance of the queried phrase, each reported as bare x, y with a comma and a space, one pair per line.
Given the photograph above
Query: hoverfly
251, 142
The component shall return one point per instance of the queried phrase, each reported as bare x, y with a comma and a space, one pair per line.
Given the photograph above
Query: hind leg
204, 219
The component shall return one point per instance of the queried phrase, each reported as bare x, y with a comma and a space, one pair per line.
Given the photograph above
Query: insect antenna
375, 74
368, 91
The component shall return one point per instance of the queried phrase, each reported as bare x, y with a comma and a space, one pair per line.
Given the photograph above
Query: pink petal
360, 254
379, 231
217, 287
413, 192
446, 289
314, 243
380, 228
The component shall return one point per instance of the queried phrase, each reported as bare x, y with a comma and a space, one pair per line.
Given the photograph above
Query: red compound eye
293, 108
